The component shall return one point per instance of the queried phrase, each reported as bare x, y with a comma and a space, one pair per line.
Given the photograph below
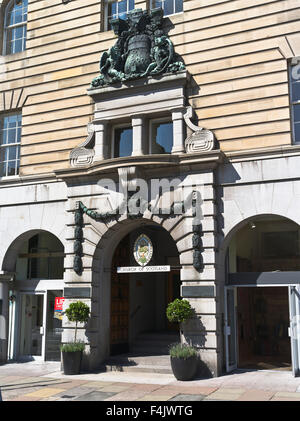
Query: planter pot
184, 369
72, 362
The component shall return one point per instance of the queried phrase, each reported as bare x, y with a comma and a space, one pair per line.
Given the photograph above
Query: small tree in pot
183, 357
77, 312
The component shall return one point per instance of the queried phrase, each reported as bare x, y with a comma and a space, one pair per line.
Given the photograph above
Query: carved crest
142, 49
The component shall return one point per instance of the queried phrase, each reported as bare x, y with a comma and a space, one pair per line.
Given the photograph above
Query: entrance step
148, 354
141, 364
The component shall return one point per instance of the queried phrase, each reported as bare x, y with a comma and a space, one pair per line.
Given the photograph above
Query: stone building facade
222, 128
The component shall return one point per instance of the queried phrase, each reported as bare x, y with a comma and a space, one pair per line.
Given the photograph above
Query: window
170, 7
161, 137
15, 26
10, 132
117, 9
280, 244
295, 100
122, 142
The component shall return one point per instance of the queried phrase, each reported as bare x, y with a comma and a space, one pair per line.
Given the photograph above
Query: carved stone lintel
201, 140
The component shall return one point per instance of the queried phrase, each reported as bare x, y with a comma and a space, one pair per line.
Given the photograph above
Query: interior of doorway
262, 323
139, 301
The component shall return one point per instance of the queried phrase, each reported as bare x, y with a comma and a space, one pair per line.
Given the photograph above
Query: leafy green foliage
78, 312
183, 351
179, 311
72, 347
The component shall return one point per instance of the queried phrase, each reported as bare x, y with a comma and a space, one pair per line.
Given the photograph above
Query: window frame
7, 28
107, 17
152, 2
293, 103
151, 123
112, 145
8, 145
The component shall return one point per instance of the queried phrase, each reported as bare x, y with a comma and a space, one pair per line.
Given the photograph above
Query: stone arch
240, 224
10, 257
101, 279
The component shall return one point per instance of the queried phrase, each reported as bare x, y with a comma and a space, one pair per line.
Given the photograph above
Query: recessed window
10, 139
15, 26
117, 9
295, 101
122, 141
170, 7
162, 137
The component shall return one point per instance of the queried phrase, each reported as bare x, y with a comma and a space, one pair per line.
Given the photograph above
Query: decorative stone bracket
84, 153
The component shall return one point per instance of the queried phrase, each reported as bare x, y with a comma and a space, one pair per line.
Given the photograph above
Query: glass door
294, 331
31, 332
230, 304
53, 327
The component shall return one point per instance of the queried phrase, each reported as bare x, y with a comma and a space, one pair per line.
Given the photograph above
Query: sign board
143, 269
58, 307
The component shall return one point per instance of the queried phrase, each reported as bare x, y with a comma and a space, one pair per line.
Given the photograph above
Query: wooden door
119, 315
173, 292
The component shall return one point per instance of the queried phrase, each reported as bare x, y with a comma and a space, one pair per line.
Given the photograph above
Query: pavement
43, 381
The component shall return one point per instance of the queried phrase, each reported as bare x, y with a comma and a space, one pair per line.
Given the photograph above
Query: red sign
58, 305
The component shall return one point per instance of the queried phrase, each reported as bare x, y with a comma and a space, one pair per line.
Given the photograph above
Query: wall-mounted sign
143, 269
58, 307
143, 250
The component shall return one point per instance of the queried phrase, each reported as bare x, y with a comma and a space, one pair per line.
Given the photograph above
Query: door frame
30, 287
294, 347
229, 328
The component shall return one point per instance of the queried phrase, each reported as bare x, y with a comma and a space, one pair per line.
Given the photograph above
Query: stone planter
71, 362
184, 369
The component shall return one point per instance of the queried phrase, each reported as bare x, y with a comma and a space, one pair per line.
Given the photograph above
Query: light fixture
252, 225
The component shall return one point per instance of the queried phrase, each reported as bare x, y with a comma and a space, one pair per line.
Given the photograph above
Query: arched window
15, 25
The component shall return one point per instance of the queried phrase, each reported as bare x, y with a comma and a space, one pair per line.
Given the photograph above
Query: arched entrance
34, 331
263, 274
139, 300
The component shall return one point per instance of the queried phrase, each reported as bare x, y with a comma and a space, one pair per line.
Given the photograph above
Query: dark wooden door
119, 315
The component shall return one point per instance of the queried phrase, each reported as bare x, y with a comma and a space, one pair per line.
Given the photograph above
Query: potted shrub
184, 358
77, 312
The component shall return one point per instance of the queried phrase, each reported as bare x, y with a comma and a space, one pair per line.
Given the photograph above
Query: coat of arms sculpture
142, 49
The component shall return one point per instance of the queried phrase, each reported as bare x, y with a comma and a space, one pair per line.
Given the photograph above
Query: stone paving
45, 382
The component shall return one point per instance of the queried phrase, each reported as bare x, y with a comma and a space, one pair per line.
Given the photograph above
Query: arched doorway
139, 300
262, 283
34, 329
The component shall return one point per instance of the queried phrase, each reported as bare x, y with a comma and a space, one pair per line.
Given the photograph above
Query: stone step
141, 364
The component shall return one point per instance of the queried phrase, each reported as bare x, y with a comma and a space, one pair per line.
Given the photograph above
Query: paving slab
94, 396
295, 395
44, 393
256, 395
183, 397
128, 395
157, 397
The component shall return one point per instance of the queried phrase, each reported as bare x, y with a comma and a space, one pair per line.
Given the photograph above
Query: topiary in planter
77, 312
178, 311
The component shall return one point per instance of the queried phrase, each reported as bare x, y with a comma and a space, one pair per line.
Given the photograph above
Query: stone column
137, 135
101, 142
178, 131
